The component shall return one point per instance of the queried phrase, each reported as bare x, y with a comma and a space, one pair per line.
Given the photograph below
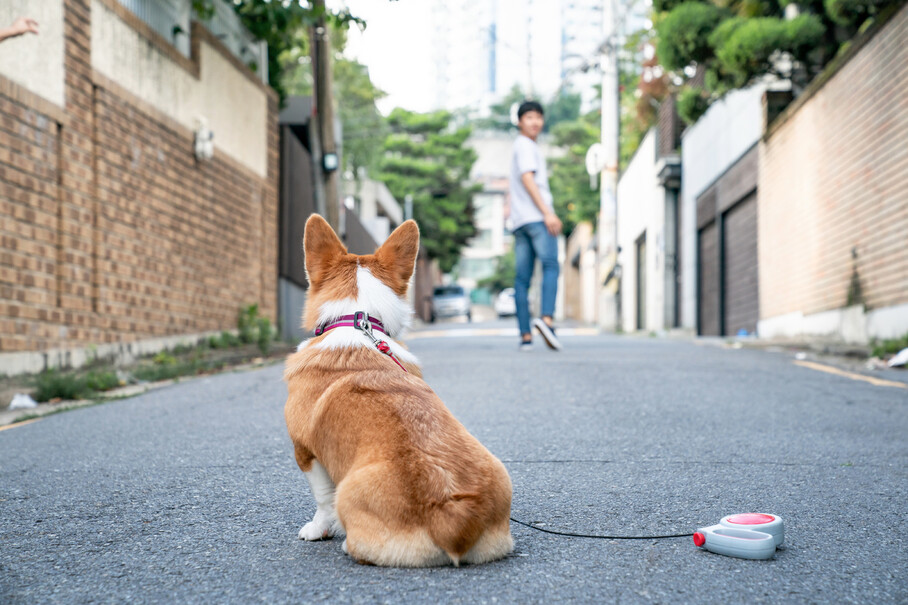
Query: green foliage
225, 340
661, 6
253, 328
684, 32
154, 372
734, 42
424, 157
563, 107
279, 24
692, 103
748, 45
164, 359
363, 125
575, 200
853, 12
53, 384
500, 113
892, 346
503, 277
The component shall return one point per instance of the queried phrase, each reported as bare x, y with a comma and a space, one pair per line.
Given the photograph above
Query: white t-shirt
527, 157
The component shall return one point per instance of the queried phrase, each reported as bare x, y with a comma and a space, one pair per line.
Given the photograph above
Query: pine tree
424, 157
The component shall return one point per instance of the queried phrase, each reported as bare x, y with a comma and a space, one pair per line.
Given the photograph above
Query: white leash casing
746, 536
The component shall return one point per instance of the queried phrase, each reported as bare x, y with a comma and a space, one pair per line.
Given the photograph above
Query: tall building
581, 36
482, 48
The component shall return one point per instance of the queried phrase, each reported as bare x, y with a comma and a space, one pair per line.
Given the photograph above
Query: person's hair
529, 106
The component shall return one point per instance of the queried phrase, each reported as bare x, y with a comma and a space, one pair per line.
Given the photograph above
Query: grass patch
53, 384
207, 356
166, 367
882, 348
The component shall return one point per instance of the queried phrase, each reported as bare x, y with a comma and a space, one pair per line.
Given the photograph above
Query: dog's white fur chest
376, 299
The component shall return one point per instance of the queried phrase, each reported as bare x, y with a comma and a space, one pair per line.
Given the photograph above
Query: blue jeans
532, 241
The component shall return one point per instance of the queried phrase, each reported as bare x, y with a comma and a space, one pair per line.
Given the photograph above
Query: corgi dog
387, 462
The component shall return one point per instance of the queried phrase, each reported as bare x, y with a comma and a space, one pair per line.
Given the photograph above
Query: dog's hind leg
324, 523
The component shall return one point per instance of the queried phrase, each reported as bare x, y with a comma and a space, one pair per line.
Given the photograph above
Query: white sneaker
526, 346
548, 334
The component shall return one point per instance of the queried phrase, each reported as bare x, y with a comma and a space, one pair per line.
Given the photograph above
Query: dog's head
341, 283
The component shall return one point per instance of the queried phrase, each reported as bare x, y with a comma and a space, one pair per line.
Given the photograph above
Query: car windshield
447, 291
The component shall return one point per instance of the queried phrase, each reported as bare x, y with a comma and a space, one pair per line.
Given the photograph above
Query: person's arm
551, 220
20, 26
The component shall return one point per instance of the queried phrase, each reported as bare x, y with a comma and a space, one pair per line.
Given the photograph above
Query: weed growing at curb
207, 356
892, 346
53, 384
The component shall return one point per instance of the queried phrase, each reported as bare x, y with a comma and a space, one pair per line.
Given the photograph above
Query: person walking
535, 226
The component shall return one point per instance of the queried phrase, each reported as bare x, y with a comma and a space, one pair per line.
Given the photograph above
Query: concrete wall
725, 132
833, 208
641, 209
234, 106
35, 62
111, 231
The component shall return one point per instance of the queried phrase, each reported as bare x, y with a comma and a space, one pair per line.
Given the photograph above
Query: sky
394, 30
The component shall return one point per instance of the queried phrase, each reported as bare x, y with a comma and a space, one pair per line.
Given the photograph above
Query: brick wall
110, 230
833, 174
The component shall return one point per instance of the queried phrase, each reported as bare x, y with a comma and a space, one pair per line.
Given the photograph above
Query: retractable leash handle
746, 536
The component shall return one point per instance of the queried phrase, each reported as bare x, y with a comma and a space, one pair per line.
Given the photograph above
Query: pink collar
365, 323
349, 321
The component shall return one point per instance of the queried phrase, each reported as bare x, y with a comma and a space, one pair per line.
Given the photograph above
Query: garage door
739, 243
708, 277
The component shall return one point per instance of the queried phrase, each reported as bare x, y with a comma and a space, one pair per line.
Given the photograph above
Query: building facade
115, 232
719, 260
833, 205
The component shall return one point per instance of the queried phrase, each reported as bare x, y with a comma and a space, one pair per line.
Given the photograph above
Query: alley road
189, 494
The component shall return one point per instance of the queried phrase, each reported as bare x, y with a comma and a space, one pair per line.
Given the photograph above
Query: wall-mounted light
203, 143
330, 162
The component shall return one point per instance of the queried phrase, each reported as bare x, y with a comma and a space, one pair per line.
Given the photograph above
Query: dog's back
413, 487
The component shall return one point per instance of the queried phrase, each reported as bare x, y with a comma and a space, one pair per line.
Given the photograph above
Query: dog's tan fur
413, 487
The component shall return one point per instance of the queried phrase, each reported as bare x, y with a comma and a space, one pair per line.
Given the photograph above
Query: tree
425, 157
355, 95
562, 107
280, 25
719, 45
504, 275
575, 200
500, 112
364, 127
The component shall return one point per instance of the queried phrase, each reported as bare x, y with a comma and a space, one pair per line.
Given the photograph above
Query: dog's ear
320, 245
398, 253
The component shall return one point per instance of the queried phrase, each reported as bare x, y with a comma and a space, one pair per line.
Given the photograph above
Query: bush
254, 329
747, 47
852, 12
692, 103
889, 347
684, 32
53, 384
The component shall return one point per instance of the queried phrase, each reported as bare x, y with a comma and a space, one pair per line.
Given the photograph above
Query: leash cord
573, 535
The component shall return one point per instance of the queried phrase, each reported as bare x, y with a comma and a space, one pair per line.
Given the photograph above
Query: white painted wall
236, 109
708, 148
641, 207
35, 62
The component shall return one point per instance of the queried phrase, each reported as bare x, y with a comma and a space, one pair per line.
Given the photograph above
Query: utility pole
324, 111
609, 272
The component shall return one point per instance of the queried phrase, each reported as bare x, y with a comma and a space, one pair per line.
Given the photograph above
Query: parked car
450, 301
505, 303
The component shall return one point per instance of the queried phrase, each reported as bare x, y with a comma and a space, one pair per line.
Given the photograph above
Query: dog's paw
315, 531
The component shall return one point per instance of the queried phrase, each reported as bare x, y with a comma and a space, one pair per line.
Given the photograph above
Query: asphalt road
189, 494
